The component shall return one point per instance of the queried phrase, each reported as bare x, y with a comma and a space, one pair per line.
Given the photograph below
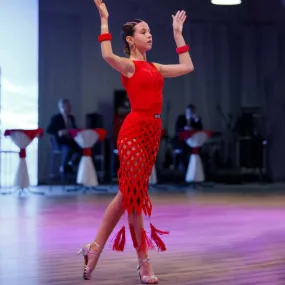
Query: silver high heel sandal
85, 251
146, 279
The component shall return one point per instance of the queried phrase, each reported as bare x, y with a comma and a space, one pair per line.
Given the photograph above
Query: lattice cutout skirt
138, 144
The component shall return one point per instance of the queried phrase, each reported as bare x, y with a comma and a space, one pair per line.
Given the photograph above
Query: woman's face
142, 38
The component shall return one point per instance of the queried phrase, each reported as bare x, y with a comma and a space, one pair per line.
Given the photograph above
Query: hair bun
128, 30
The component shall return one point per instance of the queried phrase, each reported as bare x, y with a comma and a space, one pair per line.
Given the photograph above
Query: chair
176, 157
56, 162
99, 160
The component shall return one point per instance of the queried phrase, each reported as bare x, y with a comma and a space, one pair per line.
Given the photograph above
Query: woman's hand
178, 21
102, 9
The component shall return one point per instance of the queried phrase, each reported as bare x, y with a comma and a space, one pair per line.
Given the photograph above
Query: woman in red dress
138, 140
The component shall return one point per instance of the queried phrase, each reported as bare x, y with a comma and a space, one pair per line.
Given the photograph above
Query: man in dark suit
189, 121
59, 127
186, 122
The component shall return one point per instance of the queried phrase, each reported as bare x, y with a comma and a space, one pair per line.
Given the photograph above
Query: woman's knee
119, 196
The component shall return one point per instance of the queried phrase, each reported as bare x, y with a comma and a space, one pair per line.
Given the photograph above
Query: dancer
138, 140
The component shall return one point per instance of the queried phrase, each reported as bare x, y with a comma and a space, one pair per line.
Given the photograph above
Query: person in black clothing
59, 127
189, 121
186, 122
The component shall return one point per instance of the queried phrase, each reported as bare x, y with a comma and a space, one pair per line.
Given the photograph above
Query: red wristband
182, 49
104, 37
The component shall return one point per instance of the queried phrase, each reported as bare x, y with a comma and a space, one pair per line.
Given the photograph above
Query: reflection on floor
219, 235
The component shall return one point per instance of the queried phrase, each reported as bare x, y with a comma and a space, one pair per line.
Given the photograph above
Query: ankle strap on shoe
97, 251
96, 244
142, 262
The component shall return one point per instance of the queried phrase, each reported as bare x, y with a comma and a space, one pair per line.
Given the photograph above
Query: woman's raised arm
121, 64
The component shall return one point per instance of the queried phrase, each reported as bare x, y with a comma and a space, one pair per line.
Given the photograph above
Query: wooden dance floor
215, 239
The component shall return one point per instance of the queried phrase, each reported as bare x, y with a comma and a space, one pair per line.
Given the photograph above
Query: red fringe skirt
138, 143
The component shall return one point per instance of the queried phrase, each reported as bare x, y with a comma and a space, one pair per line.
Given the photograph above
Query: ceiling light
226, 2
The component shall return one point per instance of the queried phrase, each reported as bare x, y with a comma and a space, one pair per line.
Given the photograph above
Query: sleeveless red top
144, 88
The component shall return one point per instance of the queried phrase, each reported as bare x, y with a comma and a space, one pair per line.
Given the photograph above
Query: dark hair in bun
128, 30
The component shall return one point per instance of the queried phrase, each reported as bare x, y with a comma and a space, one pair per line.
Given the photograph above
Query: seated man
188, 121
59, 127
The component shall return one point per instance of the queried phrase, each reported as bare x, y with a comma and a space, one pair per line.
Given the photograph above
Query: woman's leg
110, 219
136, 222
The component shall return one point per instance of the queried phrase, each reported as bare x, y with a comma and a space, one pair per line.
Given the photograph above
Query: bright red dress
138, 143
